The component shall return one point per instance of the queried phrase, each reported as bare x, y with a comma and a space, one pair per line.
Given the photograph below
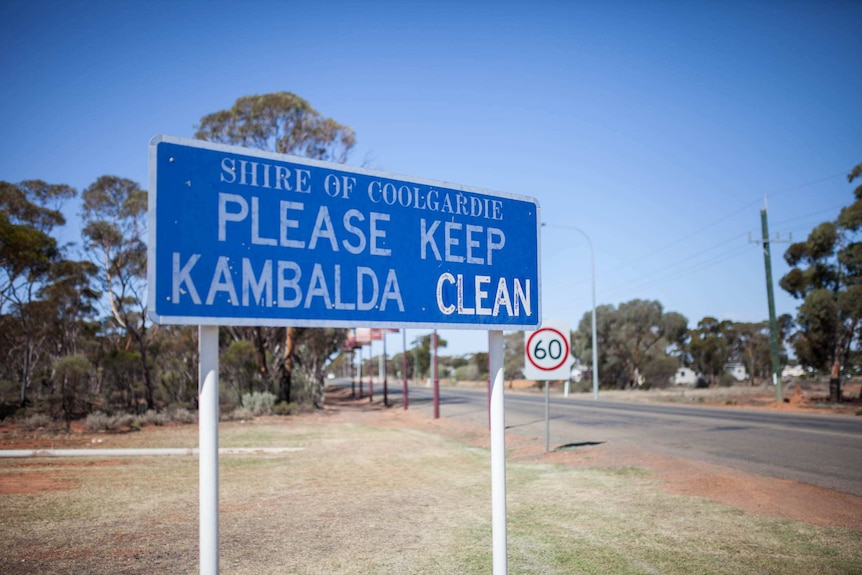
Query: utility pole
773, 322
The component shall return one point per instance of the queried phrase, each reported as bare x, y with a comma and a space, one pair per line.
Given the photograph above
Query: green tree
281, 122
318, 347
826, 276
422, 353
29, 212
612, 369
237, 368
513, 355
115, 225
712, 346
752, 347
630, 338
174, 355
72, 298
73, 373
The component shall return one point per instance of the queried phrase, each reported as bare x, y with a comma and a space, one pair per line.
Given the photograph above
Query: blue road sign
243, 237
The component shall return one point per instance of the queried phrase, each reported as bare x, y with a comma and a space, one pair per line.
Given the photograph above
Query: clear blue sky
655, 127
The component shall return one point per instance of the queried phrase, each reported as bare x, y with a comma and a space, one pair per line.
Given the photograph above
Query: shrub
259, 403
123, 420
98, 421
238, 414
181, 415
152, 417
469, 372
283, 408
726, 380
37, 421
583, 386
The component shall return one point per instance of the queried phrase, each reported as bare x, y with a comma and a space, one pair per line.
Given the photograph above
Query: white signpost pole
498, 452
208, 408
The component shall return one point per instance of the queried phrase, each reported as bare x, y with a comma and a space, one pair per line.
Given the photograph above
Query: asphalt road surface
822, 450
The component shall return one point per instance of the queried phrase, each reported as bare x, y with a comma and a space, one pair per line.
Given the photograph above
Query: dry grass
362, 498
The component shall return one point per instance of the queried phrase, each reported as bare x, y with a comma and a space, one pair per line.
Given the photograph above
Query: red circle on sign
563, 357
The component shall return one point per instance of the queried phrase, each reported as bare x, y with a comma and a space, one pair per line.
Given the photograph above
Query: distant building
685, 376
791, 371
737, 370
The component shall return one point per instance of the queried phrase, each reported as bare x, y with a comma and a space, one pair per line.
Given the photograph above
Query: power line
810, 215
666, 272
726, 217
722, 219
697, 267
808, 184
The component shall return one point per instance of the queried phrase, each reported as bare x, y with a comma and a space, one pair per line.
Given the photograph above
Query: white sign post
498, 452
208, 412
547, 356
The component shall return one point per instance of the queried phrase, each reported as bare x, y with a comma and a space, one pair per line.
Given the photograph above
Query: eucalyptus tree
73, 299
635, 338
115, 229
513, 355
284, 123
422, 352
29, 212
752, 347
174, 352
318, 345
711, 346
280, 122
826, 276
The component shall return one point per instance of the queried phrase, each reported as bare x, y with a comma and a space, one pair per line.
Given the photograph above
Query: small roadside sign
547, 354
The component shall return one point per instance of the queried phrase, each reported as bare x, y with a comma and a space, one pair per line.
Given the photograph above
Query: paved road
822, 450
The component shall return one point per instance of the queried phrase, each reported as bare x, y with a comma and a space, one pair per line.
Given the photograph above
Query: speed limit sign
547, 355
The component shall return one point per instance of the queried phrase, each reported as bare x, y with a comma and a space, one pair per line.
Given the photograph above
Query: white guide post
208, 408
498, 451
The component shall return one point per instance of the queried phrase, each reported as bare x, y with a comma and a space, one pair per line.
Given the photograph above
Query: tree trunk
835, 395
316, 383
25, 377
260, 347
287, 365
149, 394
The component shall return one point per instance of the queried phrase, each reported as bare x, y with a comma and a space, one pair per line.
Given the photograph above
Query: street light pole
595, 369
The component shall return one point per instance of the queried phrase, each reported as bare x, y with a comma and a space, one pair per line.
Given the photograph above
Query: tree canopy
633, 338
826, 275
280, 122
283, 122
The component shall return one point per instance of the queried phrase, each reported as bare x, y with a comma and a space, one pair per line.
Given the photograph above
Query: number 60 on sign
547, 353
